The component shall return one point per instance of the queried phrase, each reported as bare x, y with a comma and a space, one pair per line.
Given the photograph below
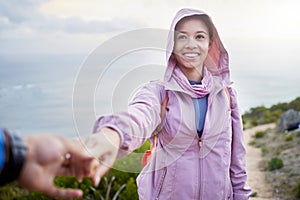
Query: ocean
36, 92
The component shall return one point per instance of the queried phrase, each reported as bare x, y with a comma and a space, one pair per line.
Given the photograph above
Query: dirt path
256, 178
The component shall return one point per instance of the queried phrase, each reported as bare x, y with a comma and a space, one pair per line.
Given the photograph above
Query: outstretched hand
49, 156
103, 145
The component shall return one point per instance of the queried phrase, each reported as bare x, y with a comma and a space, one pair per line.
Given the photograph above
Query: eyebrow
184, 32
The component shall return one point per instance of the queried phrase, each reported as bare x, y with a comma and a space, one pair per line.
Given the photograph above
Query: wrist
112, 135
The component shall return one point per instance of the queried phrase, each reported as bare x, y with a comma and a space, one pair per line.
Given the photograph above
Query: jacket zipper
200, 179
161, 183
200, 142
198, 168
200, 194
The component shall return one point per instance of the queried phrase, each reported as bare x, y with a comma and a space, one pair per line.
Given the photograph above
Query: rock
288, 119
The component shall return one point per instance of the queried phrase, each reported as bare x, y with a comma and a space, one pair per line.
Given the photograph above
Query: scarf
196, 91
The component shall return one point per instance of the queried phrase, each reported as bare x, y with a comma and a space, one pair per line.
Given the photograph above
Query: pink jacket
184, 167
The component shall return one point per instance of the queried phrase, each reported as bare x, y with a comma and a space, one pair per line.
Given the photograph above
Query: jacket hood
217, 58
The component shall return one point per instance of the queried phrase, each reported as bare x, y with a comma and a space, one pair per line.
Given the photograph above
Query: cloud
77, 24
26, 15
20, 11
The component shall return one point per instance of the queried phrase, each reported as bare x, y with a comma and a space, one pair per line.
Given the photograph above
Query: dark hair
207, 21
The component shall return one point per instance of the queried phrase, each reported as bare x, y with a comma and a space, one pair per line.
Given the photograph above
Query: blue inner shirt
200, 105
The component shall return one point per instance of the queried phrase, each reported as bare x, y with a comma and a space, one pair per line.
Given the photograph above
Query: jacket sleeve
135, 125
238, 173
2, 149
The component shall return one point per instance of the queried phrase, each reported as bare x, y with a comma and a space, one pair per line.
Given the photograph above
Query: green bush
296, 190
253, 122
278, 150
12, 191
275, 163
260, 134
264, 151
130, 190
262, 115
289, 137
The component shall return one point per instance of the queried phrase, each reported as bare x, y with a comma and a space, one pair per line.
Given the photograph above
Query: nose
191, 43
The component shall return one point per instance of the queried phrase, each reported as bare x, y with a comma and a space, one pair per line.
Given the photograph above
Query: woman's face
191, 44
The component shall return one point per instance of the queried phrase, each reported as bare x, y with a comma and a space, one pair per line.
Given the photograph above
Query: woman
200, 152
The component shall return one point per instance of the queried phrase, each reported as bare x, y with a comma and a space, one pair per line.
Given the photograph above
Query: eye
181, 37
200, 36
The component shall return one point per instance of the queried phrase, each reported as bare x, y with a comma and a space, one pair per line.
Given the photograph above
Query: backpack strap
162, 114
147, 155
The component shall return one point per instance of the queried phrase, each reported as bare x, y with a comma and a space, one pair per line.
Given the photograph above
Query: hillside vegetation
263, 115
280, 151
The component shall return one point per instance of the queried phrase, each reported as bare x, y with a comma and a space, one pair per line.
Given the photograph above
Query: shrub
264, 151
278, 150
12, 191
289, 137
252, 143
275, 163
260, 134
296, 190
130, 190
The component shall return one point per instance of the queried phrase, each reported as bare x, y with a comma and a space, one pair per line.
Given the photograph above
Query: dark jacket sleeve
2, 150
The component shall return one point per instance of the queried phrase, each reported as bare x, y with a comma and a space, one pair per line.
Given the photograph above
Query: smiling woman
199, 150
192, 41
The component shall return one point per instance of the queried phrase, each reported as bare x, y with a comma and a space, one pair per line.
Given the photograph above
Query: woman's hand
104, 146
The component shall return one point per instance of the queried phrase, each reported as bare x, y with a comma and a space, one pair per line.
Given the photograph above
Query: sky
49, 25
261, 36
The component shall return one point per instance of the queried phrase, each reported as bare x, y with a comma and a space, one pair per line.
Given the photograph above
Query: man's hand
49, 156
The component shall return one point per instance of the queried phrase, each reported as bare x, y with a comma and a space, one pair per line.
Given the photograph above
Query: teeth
191, 54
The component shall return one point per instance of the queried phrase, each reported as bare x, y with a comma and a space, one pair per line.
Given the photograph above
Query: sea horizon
36, 91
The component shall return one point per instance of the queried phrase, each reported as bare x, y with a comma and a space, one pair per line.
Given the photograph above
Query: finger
96, 177
85, 171
74, 147
63, 193
100, 172
86, 168
81, 161
76, 161
80, 178
65, 171
105, 163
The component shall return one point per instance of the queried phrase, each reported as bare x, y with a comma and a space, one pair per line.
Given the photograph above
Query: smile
191, 55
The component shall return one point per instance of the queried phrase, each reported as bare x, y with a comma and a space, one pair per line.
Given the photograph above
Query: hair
207, 21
